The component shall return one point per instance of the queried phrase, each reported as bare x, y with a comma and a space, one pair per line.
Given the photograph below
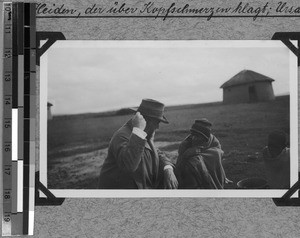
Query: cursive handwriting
42, 8
247, 8
164, 10
122, 9
283, 7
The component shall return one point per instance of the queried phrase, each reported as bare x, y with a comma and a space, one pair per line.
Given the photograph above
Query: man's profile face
152, 125
198, 140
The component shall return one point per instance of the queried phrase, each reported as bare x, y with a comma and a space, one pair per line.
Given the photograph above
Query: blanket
277, 169
200, 167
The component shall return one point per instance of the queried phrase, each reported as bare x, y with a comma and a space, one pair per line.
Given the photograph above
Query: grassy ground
77, 146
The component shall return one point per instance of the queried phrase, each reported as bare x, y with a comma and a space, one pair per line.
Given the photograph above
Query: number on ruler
6, 194
7, 77
7, 100
7, 54
7, 29
7, 216
7, 170
7, 147
7, 124
8, 8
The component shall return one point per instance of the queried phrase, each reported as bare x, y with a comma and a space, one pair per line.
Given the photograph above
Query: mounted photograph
168, 118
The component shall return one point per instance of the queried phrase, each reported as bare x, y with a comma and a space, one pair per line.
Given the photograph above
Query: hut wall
264, 91
49, 113
235, 94
261, 91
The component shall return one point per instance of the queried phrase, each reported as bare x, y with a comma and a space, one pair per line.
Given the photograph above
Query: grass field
77, 146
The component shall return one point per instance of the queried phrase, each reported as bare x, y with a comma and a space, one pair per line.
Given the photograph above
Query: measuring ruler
19, 72
7, 118
29, 117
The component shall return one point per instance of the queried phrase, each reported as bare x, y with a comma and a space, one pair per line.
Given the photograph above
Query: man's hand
228, 181
138, 121
170, 181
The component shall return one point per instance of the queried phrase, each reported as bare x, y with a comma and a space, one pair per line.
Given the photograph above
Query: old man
199, 159
133, 162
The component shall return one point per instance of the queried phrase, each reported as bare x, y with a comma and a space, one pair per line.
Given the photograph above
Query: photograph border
95, 193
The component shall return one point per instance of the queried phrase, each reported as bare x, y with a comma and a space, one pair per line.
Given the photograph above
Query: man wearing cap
199, 159
132, 161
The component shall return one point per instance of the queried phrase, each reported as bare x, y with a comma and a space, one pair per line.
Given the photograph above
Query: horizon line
166, 106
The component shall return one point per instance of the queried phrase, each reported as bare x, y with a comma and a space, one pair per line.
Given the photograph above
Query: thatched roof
245, 77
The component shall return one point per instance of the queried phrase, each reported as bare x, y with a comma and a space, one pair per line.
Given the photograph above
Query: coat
131, 163
200, 167
277, 169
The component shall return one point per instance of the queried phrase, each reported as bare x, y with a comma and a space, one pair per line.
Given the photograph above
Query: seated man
199, 159
277, 161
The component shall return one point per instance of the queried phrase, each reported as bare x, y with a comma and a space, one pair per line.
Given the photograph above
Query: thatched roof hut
248, 86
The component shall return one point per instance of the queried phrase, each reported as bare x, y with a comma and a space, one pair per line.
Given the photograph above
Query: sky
97, 76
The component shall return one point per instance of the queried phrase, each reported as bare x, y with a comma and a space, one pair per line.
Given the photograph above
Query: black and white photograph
168, 118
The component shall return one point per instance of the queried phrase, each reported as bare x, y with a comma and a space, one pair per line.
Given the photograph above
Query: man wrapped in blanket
199, 163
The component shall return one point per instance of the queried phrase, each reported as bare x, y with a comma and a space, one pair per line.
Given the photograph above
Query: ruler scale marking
7, 119
15, 55
15, 140
19, 72
26, 135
